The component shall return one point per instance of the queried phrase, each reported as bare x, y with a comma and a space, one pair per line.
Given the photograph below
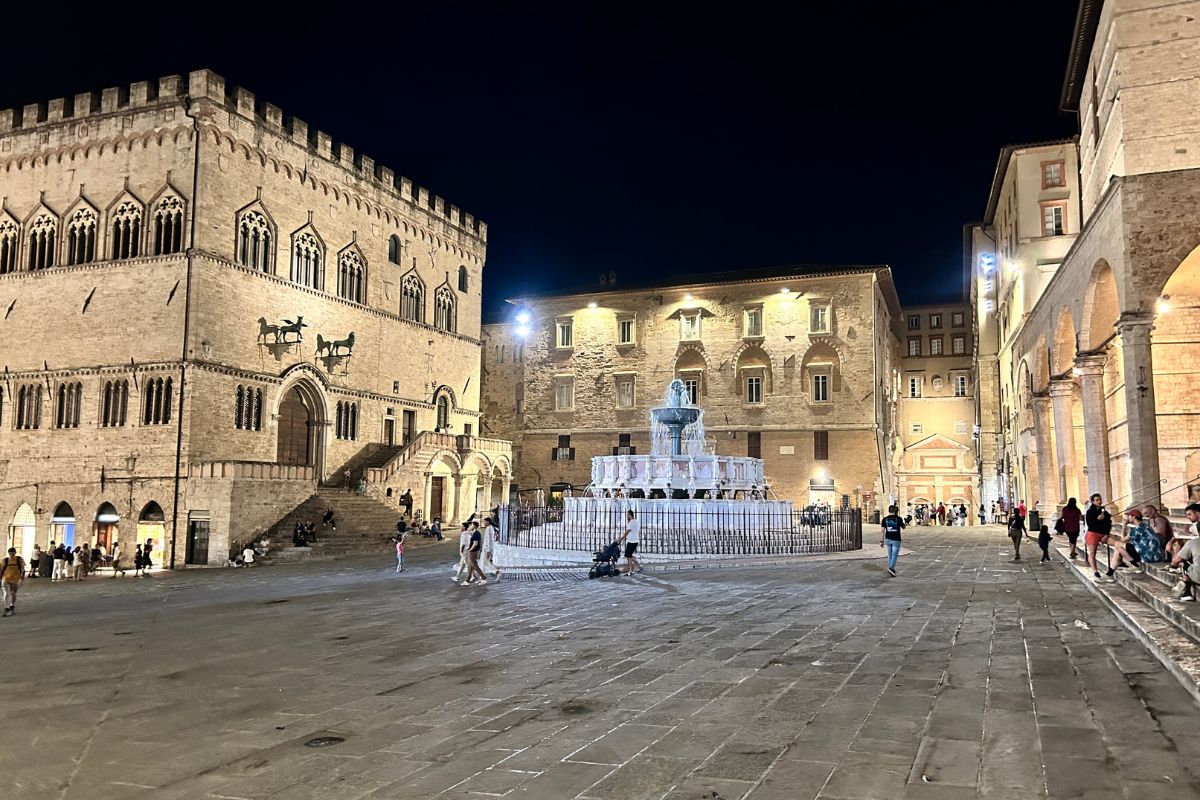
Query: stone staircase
372, 456
364, 525
1144, 599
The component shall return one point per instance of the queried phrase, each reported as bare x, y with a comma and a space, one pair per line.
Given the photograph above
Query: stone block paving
967, 676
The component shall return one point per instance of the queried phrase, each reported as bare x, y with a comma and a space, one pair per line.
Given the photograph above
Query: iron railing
749, 533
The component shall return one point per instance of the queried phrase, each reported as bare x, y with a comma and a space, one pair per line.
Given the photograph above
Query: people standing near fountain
631, 539
892, 524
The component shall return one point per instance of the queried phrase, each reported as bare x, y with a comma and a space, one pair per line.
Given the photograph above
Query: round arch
107, 526
1041, 366
1175, 357
1062, 356
301, 420
151, 532
1101, 307
62, 524
822, 358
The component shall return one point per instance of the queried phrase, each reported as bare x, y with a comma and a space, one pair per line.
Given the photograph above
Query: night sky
607, 137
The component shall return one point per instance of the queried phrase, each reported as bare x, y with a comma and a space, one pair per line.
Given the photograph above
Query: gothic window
114, 404
9, 235
29, 407
247, 415
81, 237
394, 249
443, 413
41, 242
412, 298
346, 421
254, 242
168, 226
156, 402
127, 230
307, 258
443, 309
462, 279
352, 276
69, 399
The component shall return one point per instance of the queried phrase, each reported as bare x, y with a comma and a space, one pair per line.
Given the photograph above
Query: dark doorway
410, 427
435, 496
197, 542
389, 431
754, 444
295, 426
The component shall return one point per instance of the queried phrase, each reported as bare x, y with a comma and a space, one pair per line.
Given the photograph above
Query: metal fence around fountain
744, 533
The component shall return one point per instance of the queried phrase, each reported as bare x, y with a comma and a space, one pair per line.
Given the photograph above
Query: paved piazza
968, 676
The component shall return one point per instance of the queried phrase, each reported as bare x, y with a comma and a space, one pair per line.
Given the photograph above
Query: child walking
400, 552
1044, 543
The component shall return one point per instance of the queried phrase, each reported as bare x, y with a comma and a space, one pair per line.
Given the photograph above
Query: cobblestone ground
967, 676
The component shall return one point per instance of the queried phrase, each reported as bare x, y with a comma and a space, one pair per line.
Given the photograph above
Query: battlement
206, 85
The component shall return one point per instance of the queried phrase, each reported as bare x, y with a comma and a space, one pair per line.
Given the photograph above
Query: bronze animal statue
332, 347
265, 330
291, 327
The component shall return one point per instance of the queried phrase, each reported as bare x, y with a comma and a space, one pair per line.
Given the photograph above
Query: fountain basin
693, 473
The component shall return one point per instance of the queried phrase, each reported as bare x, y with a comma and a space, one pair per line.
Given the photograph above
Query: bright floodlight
1164, 304
785, 290
523, 317
522, 331
592, 304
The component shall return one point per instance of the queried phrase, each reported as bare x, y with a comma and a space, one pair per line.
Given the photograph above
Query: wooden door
389, 431
410, 426
197, 543
435, 497
294, 428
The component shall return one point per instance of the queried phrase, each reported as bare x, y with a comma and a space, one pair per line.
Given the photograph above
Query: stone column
1140, 421
1062, 398
1047, 473
1095, 423
457, 479
430, 511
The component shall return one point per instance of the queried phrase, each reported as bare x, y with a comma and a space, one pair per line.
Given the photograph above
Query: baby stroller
606, 562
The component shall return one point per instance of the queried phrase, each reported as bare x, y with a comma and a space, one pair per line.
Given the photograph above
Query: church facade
210, 310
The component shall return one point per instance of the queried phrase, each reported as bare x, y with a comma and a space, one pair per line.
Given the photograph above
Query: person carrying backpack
12, 574
892, 524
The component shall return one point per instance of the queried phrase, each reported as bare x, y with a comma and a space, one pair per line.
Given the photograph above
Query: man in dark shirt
1099, 526
892, 524
473, 552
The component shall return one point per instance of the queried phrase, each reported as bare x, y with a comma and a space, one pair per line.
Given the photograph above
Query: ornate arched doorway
301, 420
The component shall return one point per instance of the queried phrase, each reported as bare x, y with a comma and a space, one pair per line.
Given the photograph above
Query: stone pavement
967, 676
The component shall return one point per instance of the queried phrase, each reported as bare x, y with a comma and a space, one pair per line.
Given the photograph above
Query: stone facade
937, 461
796, 366
158, 232
1099, 378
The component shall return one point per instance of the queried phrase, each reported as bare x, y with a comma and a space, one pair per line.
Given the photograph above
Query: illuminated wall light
987, 262
1164, 304
785, 290
523, 331
522, 317
592, 304
687, 298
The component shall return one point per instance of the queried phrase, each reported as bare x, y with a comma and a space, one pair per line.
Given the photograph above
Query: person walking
490, 534
474, 549
1044, 543
1099, 526
464, 541
1071, 517
941, 514
1016, 532
892, 524
137, 561
631, 537
82, 558
12, 574
69, 566
406, 500
400, 537
119, 559
147, 563
327, 519
59, 559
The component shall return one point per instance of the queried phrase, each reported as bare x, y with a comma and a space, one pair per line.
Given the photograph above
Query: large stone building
794, 365
1100, 387
937, 460
155, 242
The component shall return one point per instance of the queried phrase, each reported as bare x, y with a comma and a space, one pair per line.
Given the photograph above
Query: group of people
62, 562
937, 515
476, 546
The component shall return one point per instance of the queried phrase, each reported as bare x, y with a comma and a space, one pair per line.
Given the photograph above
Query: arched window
156, 402
247, 414
346, 421
239, 408
115, 403
394, 249
307, 258
9, 235
70, 397
443, 309
81, 237
462, 279
127, 231
254, 242
29, 407
352, 276
412, 298
168, 226
443, 412
41, 242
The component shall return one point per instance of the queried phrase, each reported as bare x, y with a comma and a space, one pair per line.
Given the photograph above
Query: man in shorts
12, 573
630, 537
1099, 526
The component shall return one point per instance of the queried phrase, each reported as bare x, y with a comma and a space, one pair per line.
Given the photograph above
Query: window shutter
571, 454
554, 454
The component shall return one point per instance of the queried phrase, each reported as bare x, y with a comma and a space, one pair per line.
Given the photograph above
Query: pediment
937, 442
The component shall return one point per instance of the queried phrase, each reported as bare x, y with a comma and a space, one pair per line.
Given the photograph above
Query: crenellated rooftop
205, 84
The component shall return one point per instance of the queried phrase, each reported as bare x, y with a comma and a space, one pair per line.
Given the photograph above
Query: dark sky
626, 138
